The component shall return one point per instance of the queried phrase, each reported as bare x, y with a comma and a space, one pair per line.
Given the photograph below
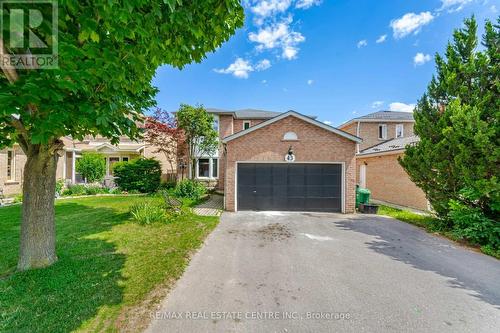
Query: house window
215, 167
216, 123
11, 165
382, 132
246, 125
399, 130
125, 159
112, 160
203, 168
207, 168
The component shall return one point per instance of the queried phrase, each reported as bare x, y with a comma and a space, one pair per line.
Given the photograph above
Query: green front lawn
110, 272
427, 222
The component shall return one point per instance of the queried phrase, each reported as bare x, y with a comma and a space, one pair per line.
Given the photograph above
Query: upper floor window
382, 131
246, 125
399, 130
216, 123
290, 136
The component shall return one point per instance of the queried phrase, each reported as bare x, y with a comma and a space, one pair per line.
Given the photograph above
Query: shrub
91, 166
95, 189
18, 198
167, 185
59, 187
115, 191
76, 189
84, 189
142, 175
190, 189
148, 212
472, 224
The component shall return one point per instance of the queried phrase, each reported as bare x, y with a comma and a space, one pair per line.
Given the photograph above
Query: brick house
385, 135
12, 160
281, 161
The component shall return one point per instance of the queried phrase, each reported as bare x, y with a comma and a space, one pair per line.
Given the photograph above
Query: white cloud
305, 4
493, 9
328, 122
268, 8
263, 81
362, 43
410, 23
421, 59
398, 106
454, 5
310, 82
263, 65
377, 104
278, 35
240, 68
381, 39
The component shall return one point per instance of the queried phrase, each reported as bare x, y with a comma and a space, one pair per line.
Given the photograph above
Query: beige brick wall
167, 170
315, 145
352, 128
368, 131
388, 181
14, 186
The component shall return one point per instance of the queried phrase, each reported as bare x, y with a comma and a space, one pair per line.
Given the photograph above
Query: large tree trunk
38, 234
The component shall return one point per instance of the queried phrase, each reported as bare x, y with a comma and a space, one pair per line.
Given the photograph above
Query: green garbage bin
362, 196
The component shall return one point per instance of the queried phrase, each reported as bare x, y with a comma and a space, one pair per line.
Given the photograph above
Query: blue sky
336, 59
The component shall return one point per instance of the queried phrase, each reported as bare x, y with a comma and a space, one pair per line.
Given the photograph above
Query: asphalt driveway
308, 272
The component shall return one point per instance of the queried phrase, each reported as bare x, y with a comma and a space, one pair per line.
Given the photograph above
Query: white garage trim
342, 196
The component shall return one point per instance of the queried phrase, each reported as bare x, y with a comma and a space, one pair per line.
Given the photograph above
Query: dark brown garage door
290, 187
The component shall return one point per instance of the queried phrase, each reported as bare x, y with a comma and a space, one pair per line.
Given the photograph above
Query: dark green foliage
142, 174
456, 162
92, 167
108, 55
471, 223
190, 189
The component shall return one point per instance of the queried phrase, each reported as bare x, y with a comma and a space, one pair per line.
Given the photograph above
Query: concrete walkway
310, 272
213, 206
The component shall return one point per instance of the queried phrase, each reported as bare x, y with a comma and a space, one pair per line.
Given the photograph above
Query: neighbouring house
12, 161
385, 135
281, 161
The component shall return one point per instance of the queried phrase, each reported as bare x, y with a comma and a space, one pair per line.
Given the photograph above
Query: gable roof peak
283, 115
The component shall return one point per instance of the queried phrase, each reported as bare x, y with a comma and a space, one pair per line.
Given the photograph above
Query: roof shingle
391, 145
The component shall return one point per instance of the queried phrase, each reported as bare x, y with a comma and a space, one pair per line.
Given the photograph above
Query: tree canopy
108, 54
456, 162
197, 127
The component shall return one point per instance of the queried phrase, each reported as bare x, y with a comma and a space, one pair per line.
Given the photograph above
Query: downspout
224, 153
357, 134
